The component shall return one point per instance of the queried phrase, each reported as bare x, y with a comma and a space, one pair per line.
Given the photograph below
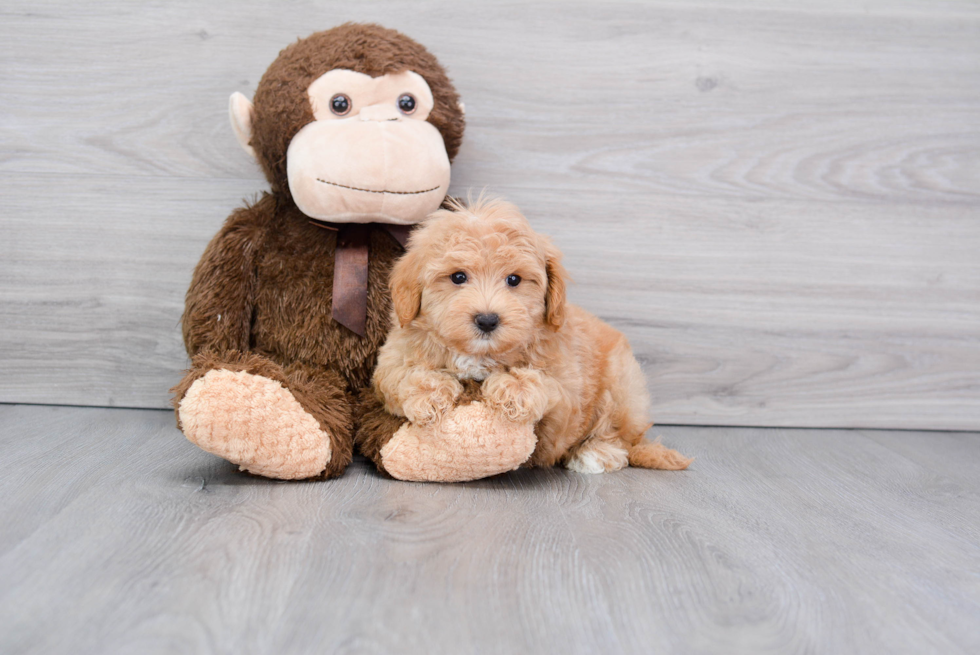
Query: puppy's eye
513, 280
458, 277
340, 104
406, 103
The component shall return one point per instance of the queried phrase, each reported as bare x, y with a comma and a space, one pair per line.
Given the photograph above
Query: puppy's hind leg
609, 448
603, 451
630, 411
598, 456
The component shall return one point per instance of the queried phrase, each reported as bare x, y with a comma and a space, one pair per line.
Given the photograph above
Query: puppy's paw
520, 395
597, 456
428, 395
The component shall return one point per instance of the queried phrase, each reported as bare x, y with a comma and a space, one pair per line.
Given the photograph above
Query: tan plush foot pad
256, 423
471, 442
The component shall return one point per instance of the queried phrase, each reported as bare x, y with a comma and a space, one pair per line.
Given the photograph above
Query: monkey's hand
521, 394
427, 395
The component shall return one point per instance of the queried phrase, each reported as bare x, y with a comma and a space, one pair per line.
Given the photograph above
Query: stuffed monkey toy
354, 128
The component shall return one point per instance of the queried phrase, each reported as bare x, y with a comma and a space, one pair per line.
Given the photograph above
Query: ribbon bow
350, 269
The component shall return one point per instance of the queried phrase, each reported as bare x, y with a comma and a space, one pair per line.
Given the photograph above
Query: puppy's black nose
487, 322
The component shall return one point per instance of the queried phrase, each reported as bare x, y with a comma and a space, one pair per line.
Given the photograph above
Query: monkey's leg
286, 423
375, 426
472, 441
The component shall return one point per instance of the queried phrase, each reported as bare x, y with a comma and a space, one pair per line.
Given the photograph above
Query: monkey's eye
513, 280
458, 277
340, 104
406, 103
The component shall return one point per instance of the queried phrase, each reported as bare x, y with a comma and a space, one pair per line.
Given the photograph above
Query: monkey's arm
218, 308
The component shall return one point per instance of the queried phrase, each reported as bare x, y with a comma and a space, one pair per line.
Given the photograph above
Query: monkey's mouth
397, 193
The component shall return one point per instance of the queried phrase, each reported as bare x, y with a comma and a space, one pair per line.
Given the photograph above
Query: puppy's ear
554, 297
406, 286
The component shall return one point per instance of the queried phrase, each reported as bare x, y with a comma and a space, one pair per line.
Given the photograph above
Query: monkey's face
369, 155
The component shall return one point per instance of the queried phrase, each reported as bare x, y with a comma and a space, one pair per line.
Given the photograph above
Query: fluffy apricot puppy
480, 296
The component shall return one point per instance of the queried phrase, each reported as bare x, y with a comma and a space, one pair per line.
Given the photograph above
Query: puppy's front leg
418, 393
520, 394
425, 395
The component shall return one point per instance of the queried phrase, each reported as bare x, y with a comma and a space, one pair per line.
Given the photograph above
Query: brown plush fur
548, 361
281, 103
261, 296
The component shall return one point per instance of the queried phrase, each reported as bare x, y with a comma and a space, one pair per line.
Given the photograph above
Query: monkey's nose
379, 112
486, 322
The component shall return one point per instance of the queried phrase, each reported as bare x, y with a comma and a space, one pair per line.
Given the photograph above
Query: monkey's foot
256, 423
470, 442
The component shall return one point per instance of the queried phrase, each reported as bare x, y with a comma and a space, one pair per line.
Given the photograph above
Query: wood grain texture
778, 205
120, 536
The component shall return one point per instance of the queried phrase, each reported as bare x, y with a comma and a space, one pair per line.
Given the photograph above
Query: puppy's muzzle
486, 322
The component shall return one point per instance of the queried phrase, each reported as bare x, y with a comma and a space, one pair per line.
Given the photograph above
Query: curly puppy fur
546, 361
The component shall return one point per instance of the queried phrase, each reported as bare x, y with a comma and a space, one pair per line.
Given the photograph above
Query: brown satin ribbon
350, 269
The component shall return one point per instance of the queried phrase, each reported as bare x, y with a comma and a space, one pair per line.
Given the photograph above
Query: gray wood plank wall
777, 203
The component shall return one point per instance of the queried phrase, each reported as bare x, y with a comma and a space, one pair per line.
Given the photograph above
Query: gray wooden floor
119, 536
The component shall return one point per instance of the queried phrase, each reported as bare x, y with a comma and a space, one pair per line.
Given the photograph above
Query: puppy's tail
655, 455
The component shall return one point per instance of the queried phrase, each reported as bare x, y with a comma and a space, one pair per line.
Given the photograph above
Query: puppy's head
480, 280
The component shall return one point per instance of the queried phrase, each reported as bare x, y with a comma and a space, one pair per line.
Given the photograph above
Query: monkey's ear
554, 297
406, 287
241, 112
